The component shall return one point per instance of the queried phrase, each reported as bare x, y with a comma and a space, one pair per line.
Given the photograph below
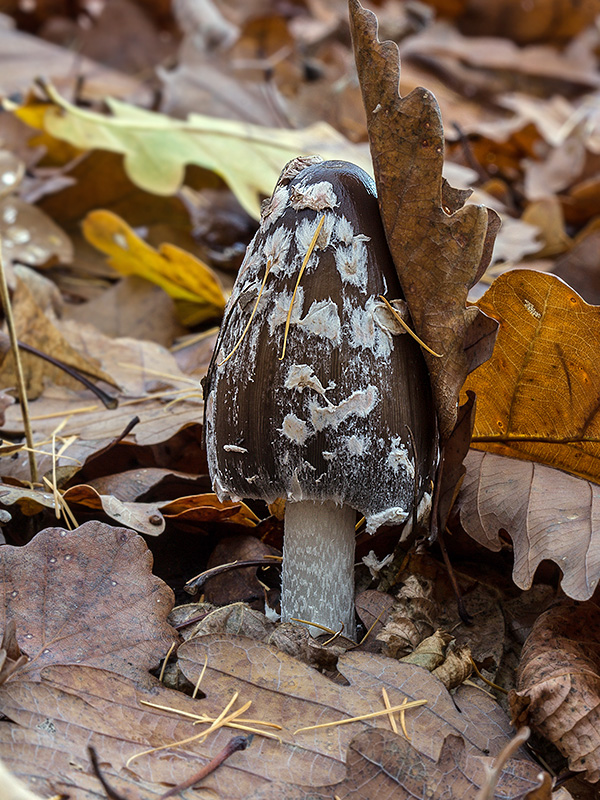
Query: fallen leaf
157, 148
547, 513
12, 788
546, 20
537, 397
285, 690
558, 685
85, 597
382, 764
192, 284
74, 705
44, 58
208, 508
440, 248
35, 328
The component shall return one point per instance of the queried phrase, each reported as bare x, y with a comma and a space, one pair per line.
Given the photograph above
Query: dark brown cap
311, 400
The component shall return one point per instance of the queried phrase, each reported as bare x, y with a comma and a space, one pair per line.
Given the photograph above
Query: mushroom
315, 393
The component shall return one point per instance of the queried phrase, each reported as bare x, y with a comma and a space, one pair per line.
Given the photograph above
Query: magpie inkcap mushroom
314, 384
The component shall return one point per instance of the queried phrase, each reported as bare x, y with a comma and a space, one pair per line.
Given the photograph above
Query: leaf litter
534, 161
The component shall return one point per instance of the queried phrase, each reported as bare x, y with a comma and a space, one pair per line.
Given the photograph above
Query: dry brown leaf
85, 597
382, 764
23, 58
35, 328
545, 20
285, 690
537, 398
440, 248
547, 514
558, 685
208, 508
495, 65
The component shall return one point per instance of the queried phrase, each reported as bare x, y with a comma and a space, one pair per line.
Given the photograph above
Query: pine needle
314, 625
409, 330
245, 331
388, 705
485, 680
199, 681
164, 664
384, 712
311, 247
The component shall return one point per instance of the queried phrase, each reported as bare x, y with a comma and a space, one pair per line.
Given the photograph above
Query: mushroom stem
317, 581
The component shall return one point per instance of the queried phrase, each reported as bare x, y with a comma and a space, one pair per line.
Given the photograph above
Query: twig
110, 792
108, 400
493, 776
195, 584
10, 324
235, 744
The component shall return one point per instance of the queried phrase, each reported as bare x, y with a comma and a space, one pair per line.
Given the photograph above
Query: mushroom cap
329, 420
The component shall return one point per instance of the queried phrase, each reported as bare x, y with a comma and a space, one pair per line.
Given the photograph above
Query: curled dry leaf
558, 684
88, 597
537, 397
440, 248
34, 327
547, 513
192, 284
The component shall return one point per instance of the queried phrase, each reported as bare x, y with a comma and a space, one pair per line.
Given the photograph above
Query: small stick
108, 400
14, 343
195, 584
235, 744
487, 792
110, 792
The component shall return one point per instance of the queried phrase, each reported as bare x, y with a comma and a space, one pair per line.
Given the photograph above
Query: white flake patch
360, 404
351, 262
328, 455
391, 516
295, 429
276, 249
317, 196
365, 334
301, 376
304, 234
532, 309
398, 457
355, 445
234, 448
323, 320
387, 321
344, 230
281, 308
274, 207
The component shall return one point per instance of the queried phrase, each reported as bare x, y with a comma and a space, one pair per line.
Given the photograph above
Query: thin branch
14, 343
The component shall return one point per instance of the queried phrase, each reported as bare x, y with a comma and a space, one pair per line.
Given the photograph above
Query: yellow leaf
538, 395
191, 283
156, 148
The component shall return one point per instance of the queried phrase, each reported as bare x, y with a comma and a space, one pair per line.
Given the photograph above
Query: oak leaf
547, 513
440, 247
558, 684
85, 597
537, 397
74, 705
157, 149
382, 764
191, 283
